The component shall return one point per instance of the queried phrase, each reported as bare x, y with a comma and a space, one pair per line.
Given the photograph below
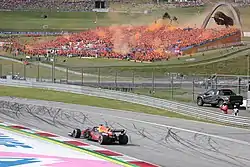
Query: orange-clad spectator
126, 42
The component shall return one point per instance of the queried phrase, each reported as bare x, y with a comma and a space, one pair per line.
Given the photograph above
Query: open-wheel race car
102, 134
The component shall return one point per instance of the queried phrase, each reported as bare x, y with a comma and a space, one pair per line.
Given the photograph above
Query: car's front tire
76, 133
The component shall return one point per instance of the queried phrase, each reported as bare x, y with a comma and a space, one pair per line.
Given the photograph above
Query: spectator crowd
142, 43
88, 5
59, 5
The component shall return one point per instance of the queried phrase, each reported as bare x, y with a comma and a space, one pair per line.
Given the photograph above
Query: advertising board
228, 41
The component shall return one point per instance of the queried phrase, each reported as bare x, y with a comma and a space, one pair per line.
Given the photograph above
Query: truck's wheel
103, 140
76, 133
123, 139
220, 103
200, 102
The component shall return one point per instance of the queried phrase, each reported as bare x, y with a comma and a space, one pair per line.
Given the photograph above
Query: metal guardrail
181, 108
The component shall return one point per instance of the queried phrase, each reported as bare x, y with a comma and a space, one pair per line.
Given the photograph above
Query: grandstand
158, 41
139, 43
100, 5
54, 5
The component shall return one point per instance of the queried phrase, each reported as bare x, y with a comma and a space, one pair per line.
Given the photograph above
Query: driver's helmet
235, 106
102, 128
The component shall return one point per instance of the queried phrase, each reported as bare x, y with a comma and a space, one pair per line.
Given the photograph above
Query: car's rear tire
76, 133
200, 102
103, 140
123, 139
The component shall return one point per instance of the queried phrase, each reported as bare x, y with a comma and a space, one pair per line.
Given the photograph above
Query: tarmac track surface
152, 138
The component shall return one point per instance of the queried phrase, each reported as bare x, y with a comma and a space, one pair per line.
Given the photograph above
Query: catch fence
166, 85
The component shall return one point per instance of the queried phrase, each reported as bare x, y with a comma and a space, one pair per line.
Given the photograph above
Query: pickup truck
216, 97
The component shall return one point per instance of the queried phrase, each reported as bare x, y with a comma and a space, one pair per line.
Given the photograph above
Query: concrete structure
234, 11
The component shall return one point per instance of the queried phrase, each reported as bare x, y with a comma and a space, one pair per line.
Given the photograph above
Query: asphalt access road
155, 143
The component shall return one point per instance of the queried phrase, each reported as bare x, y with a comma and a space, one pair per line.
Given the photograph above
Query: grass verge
41, 94
79, 21
234, 66
8, 67
109, 67
175, 94
76, 62
215, 61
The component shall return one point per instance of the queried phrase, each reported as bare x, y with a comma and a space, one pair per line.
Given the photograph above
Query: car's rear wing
118, 130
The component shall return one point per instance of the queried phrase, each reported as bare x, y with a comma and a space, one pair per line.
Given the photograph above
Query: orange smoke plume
159, 51
171, 28
137, 36
67, 36
156, 26
101, 34
120, 41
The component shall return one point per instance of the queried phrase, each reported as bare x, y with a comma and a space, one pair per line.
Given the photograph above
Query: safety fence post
1, 70
153, 81
12, 69
67, 75
38, 71
99, 77
133, 80
193, 84
24, 71
116, 73
239, 85
172, 86
82, 75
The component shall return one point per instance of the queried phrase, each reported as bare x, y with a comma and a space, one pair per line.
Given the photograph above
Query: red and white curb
81, 144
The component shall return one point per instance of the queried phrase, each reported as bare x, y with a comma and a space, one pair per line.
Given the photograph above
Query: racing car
104, 135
